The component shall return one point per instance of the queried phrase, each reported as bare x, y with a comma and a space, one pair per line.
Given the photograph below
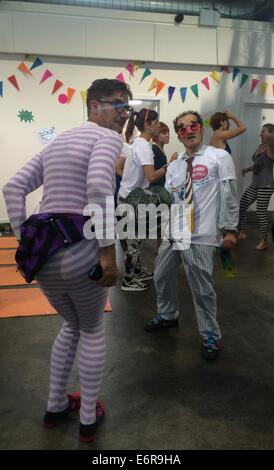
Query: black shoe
158, 323
210, 349
87, 431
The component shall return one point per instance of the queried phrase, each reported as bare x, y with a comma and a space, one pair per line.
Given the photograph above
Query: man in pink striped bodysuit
76, 169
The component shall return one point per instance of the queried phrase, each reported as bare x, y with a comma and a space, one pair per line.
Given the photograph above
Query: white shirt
134, 176
210, 166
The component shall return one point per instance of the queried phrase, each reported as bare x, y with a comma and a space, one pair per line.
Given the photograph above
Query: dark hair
139, 120
216, 119
186, 113
163, 128
104, 88
270, 127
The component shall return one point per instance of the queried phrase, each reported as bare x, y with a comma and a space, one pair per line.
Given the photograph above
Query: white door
255, 116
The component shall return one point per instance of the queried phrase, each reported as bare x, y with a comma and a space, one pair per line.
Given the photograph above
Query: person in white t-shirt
139, 172
215, 205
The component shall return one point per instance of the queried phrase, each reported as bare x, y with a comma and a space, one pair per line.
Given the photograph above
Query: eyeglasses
120, 106
183, 131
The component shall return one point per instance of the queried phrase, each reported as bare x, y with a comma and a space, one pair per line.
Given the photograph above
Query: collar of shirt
200, 151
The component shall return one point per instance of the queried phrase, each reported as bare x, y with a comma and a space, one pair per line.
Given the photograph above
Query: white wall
19, 141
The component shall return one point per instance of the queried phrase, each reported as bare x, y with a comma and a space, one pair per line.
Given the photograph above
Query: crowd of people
79, 168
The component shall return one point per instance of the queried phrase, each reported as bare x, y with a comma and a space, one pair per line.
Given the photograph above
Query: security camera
179, 18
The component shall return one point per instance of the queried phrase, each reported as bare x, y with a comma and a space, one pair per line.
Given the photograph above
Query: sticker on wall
46, 135
25, 116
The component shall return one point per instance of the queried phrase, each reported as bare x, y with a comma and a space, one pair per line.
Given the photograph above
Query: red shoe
52, 419
87, 431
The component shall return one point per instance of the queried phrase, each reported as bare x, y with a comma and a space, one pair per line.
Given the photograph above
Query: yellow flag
216, 76
264, 87
84, 95
153, 84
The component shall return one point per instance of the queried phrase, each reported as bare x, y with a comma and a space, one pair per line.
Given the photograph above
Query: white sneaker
134, 285
144, 275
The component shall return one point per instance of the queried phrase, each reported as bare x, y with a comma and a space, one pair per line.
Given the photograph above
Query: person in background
201, 179
261, 188
139, 172
77, 169
221, 129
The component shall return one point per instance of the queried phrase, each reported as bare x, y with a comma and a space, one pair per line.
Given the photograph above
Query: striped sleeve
101, 185
26, 180
229, 206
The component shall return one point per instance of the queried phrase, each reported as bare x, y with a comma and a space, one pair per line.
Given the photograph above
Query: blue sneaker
158, 323
210, 349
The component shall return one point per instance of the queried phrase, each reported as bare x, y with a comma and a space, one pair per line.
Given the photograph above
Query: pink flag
205, 82
46, 75
130, 68
120, 77
13, 81
254, 83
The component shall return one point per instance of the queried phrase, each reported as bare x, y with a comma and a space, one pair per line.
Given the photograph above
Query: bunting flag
36, 63
1, 89
264, 87
137, 66
23, 68
70, 93
254, 83
236, 71
130, 69
225, 69
216, 76
183, 91
47, 74
272, 87
56, 86
160, 86
13, 81
206, 122
120, 77
205, 82
63, 99
194, 89
171, 90
153, 84
84, 95
146, 73
243, 79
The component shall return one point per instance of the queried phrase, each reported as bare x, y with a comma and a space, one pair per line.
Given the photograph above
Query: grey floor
158, 391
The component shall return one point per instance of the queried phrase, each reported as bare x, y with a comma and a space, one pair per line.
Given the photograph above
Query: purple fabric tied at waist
42, 235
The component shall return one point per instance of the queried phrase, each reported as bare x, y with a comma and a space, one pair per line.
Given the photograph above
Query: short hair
270, 127
104, 88
186, 113
216, 119
145, 116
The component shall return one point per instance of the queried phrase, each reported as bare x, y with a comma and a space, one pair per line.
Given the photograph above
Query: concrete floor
158, 391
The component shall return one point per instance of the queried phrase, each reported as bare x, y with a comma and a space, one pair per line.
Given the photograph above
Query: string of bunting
132, 67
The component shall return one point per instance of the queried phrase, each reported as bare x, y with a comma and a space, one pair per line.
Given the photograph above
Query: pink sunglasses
183, 131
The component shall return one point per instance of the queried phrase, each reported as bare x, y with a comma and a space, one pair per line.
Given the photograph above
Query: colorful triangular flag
13, 81
205, 82
254, 83
160, 86
183, 91
216, 76
1, 89
84, 95
225, 69
120, 77
70, 93
146, 73
272, 88
136, 66
236, 71
153, 84
23, 68
171, 90
36, 63
243, 79
264, 87
56, 86
46, 75
130, 68
194, 89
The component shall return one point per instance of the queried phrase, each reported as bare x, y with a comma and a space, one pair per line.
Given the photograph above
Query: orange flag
24, 68
160, 86
70, 93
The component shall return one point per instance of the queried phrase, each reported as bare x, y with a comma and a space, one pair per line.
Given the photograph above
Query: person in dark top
222, 133
261, 188
160, 158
